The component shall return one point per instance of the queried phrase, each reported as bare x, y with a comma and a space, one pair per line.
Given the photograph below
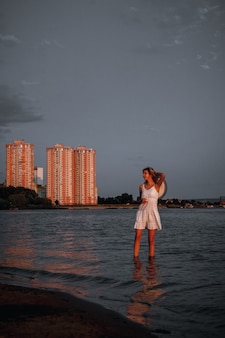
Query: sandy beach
26, 312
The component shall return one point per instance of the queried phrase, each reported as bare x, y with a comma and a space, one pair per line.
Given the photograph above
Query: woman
148, 215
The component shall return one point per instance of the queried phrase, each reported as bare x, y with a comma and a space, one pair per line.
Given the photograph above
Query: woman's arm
160, 177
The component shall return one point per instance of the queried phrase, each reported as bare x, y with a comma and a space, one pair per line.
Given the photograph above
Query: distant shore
105, 206
136, 206
27, 312
170, 205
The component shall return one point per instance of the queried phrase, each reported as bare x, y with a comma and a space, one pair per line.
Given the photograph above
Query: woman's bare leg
137, 241
151, 242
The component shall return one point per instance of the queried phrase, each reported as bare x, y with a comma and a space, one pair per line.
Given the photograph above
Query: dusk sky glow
141, 81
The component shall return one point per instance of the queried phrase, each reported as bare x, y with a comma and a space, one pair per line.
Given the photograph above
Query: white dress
148, 214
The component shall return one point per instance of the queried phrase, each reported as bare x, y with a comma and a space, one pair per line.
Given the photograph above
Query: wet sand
26, 312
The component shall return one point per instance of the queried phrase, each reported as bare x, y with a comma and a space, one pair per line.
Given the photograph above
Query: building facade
60, 174
20, 164
71, 175
85, 176
38, 175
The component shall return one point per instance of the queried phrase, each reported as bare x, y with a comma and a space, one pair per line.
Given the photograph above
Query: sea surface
89, 254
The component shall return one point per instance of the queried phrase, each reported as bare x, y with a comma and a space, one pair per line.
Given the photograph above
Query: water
89, 253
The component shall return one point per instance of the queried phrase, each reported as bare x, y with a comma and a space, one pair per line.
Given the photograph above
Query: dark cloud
15, 109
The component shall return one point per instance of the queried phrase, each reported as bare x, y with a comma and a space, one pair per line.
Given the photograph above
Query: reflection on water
18, 250
46, 251
89, 254
139, 310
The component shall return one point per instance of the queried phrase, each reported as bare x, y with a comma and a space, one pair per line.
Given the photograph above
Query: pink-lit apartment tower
60, 174
20, 164
71, 175
85, 176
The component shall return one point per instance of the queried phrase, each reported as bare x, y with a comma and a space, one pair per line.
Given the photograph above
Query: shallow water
89, 253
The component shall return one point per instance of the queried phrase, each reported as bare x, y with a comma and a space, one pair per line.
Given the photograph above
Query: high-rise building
38, 175
60, 174
85, 176
39, 181
20, 164
71, 175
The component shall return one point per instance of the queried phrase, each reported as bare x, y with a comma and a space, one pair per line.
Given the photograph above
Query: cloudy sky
140, 81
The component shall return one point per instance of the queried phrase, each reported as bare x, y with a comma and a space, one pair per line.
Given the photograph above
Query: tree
18, 201
4, 204
124, 198
121, 199
20, 197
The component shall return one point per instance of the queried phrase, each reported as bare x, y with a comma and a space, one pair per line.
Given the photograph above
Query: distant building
85, 176
71, 175
20, 164
41, 190
39, 181
38, 175
60, 174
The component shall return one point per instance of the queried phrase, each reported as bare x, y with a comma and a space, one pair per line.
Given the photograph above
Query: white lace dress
148, 214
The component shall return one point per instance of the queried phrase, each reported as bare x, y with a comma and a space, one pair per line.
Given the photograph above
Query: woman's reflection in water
139, 310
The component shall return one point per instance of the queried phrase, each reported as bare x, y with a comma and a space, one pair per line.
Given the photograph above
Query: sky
140, 81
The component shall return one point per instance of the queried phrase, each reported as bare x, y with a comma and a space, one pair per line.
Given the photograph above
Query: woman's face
146, 175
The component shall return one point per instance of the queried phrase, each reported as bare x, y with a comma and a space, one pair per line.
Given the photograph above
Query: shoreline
28, 312
120, 206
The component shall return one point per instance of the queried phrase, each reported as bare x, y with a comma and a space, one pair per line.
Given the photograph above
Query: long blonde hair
155, 176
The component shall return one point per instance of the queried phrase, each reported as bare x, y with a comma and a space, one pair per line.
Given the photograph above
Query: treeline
22, 198
121, 199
